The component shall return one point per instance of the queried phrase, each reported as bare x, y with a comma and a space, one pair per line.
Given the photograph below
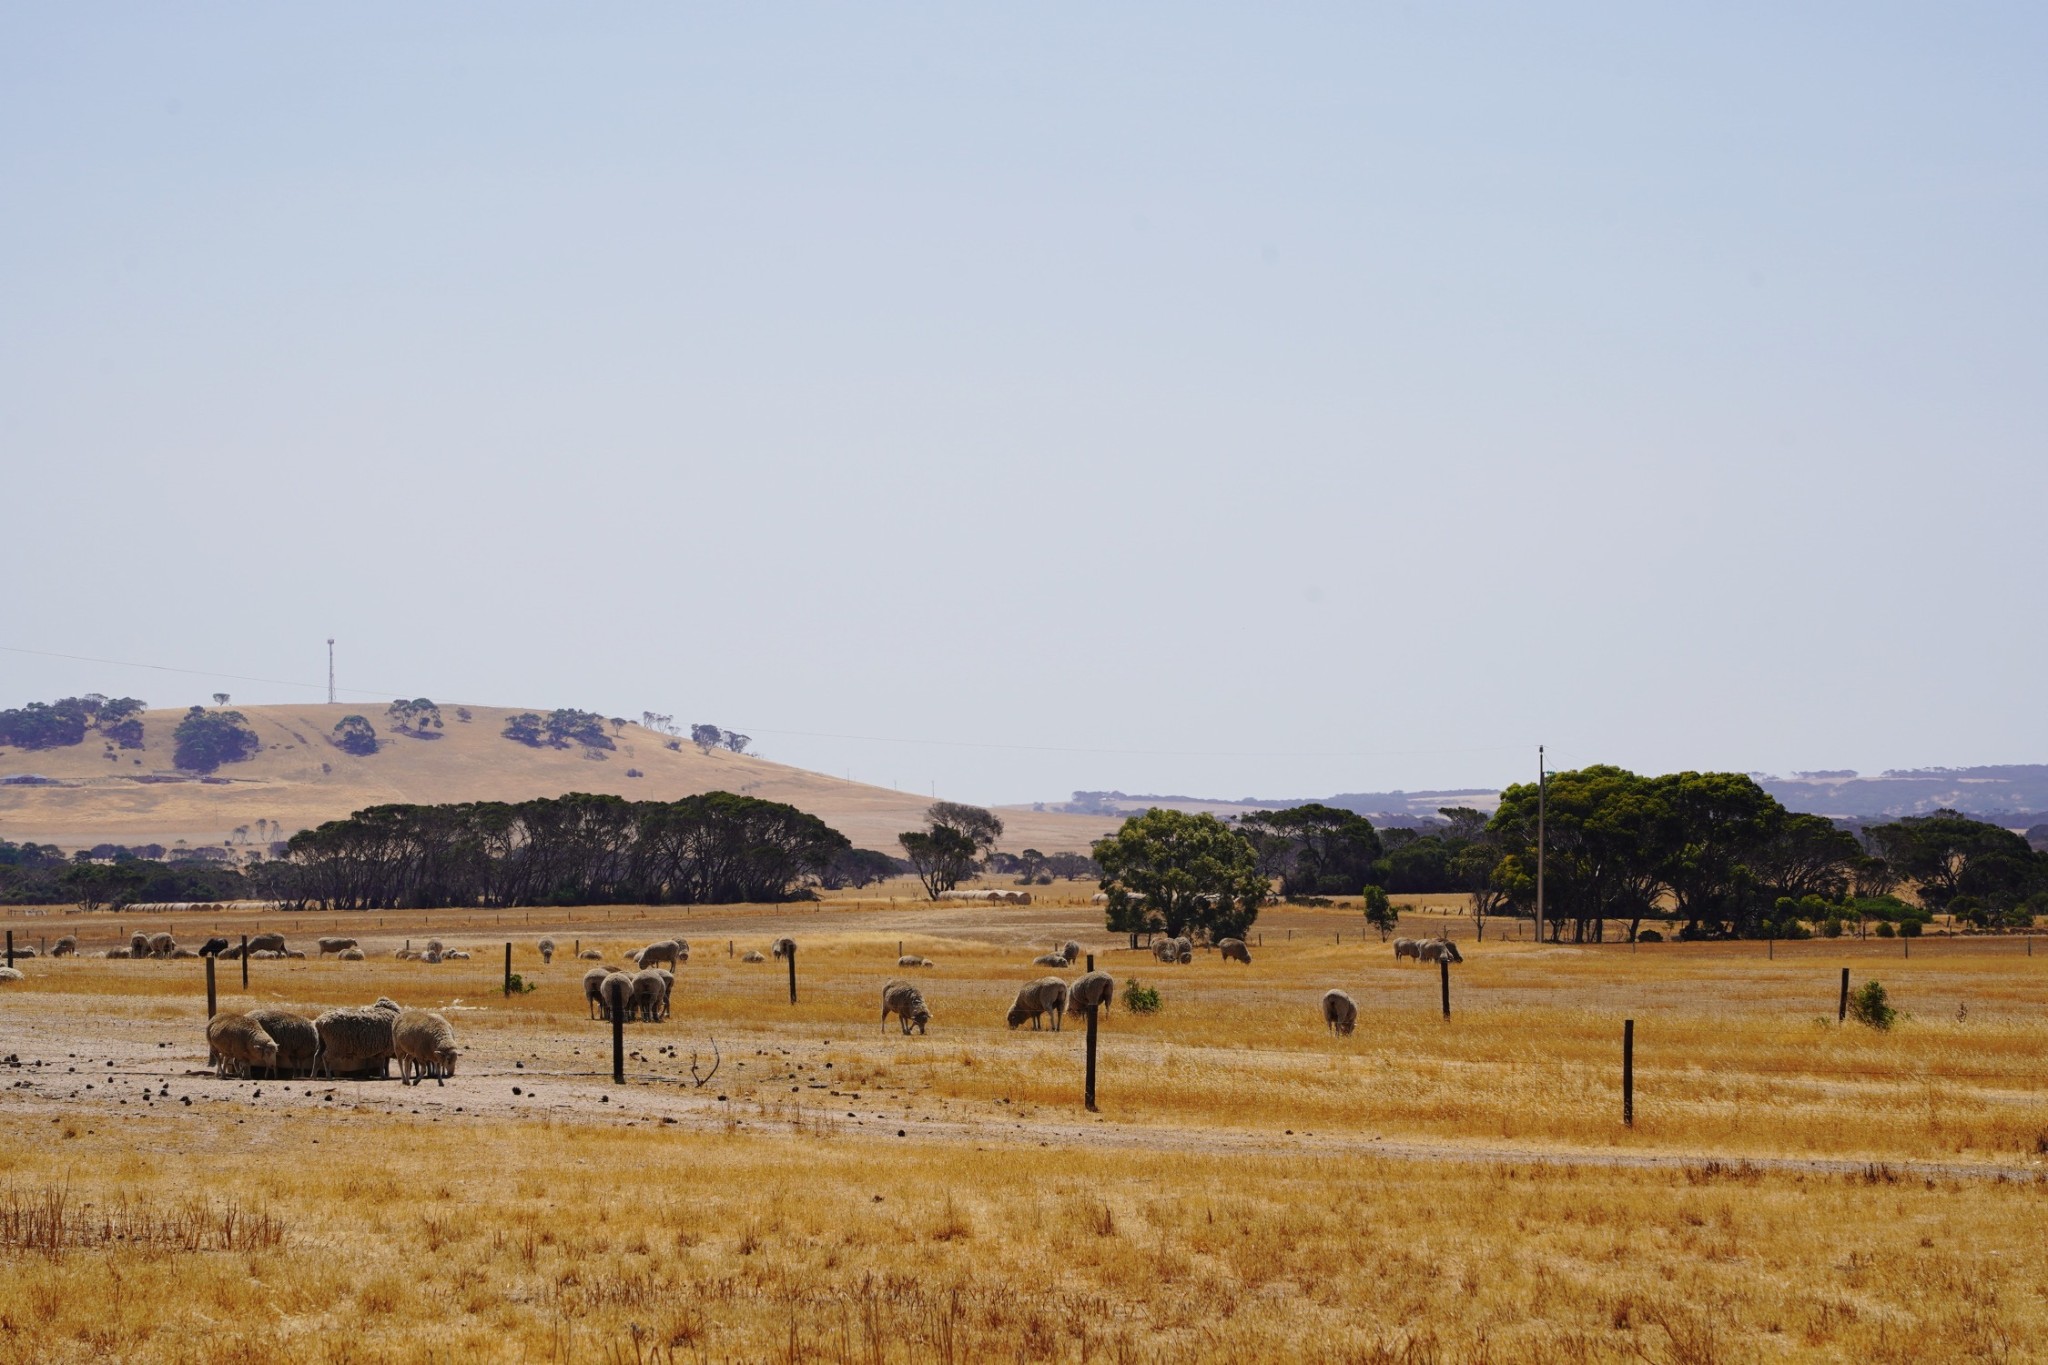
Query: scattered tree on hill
355, 735
735, 741
559, 729
1170, 872
706, 737
220, 699
462, 713
415, 717
951, 845
660, 724
62, 723
204, 740
524, 728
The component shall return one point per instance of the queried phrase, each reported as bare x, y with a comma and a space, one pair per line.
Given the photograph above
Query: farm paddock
1793, 1188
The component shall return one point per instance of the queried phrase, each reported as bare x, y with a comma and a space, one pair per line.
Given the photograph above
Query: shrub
1831, 927
1868, 1004
1140, 999
1910, 928
520, 985
1884, 929
1649, 936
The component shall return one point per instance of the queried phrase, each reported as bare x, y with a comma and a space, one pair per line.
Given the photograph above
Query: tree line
579, 849
62, 723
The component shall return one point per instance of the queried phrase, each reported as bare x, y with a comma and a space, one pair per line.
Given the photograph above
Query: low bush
1868, 1004
1140, 999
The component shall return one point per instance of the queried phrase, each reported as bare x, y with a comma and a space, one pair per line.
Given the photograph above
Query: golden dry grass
1252, 1189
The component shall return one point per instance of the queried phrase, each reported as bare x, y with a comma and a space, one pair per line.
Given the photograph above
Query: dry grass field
1252, 1188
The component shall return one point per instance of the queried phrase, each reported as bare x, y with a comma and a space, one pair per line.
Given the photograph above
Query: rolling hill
91, 793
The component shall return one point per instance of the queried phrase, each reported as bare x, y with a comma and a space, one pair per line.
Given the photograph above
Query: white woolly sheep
1049, 960
1091, 989
1071, 950
239, 1045
913, 960
647, 995
547, 950
616, 993
1047, 995
1407, 947
356, 1040
1166, 950
592, 955
782, 947
64, 947
667, 950
906, 1002
22, 950
1185, 948
298, 1042
455, 955
593, 989
1340, 1012
434, 945
752, 956
9, 974
162, 945
1439, 950
267, 943
138, 944
351, 954
1233, 950
336, 945
425, 1046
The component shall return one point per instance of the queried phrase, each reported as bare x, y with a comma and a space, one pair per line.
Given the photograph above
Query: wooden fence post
1842, 1009
618, 1046
1628, 1072
508, 969
792, 972
211, 1005
1443, 965
10, 947
1088, 1085
245, 962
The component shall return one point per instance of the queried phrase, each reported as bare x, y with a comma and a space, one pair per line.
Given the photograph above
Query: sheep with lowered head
648, 995
1340, 1012
1071, 950
913, 960
64, 947
425, 1046
356, 1040
351, 954
239, 1045
138, 944
616, 996
336, 945
1091, 988
547, 951
782, 947
9, 974
1050, 960
267, 943
752, 956
1233, 950
298, 1042
592, 955
906, 1002
667, 950
1047, 995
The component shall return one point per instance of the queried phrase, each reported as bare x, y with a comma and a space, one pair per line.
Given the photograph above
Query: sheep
115, 952
668, 988
175, 952
455, 955
1407, 947
213, 947
751, 956
668, 950
267, 943
617, 993
162, 945
1050, 960
64, 947
1233, 950
903, 1000
239, 1045
404, 954
351, 954
425, 1045
547, 951
336, 945
434, 945
593, 989
913, 960
1166, 950
1047, 995
1340, 1012
1439, 950
647, 995
592, 955
356, 1040
1094, 989
1071, 950
1184, 949
138, 944
782, 947
298, 1042
23, 950
230, 953
430, 956
9, 974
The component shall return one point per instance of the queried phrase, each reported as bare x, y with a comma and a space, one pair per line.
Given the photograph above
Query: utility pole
330, 670
1541, 791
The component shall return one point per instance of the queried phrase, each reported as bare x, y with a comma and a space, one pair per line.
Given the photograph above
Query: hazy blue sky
1249, 399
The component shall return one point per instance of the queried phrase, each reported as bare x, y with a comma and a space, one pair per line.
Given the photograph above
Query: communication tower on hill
330, 670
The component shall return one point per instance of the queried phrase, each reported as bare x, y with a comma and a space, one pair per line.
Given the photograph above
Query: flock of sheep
352, 1041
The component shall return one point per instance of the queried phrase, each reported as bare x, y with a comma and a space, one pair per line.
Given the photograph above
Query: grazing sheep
455, 955
1166, 950
425, 1046
1407, 947
1340, 1012
430, 956
138, 944
115, 952
591, 955
1439, 950
593, 989
903, 1000
1047, 995
668, 950
751, 956
356, 1040
1071, 950
162, 945
267, 943
9, 974
668, 988
404, 954
230, 953
239, 1045
913, 960
617, 996
1095, 989
1050, 960
23, 950
298, 1042
647, 995
782, 947
434, 945
547, 950
64, 947
351, 954
1233, 950
213, 947
1184, 949
175, 952
336, 945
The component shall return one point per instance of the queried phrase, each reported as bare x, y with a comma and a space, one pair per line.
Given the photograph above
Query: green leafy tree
524, 728
954, 840
1171, 872
1608, 838
1380, 912
416, 717
1949, 855
204, 740
1707, 829
355, 735
1315, 850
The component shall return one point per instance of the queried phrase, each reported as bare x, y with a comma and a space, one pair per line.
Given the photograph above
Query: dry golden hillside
299, 778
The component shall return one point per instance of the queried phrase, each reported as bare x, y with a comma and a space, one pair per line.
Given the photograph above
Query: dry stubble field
1252, 1189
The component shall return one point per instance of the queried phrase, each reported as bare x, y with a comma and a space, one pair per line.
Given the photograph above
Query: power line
193, 672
